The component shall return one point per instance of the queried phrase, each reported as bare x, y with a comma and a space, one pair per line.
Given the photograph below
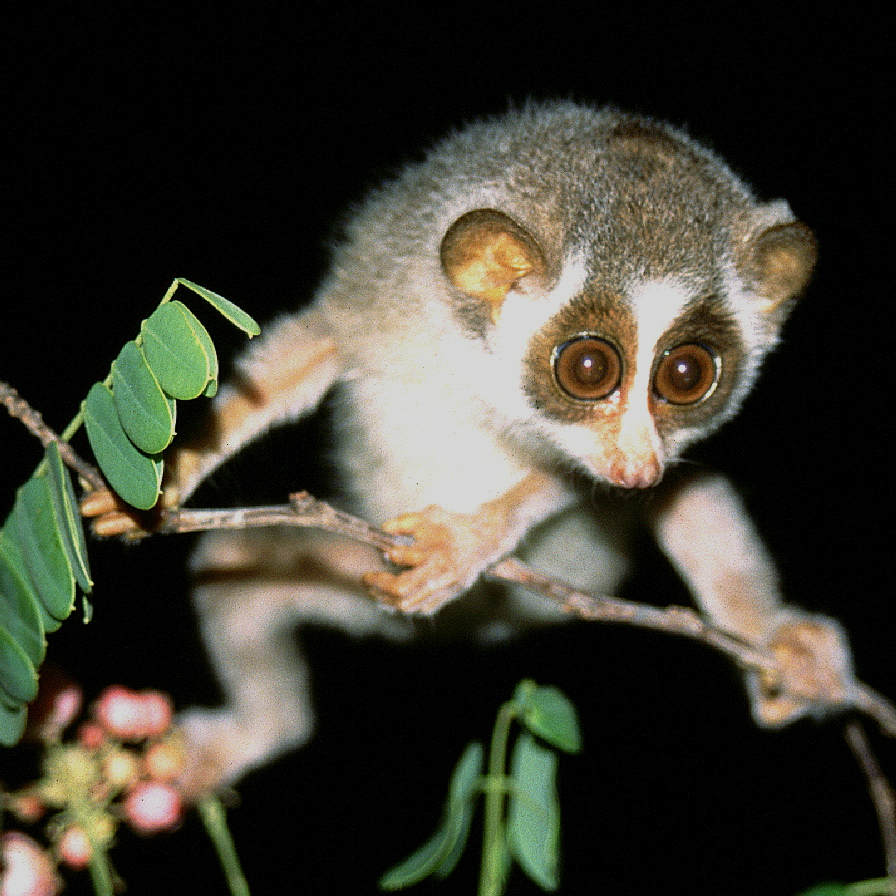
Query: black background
225, 147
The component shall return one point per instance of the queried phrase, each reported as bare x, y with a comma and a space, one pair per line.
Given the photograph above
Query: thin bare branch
34, 422
602, 608
308, 512
303, 511
881, 795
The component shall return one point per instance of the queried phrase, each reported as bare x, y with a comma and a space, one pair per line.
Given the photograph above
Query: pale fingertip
97, 503
115, 523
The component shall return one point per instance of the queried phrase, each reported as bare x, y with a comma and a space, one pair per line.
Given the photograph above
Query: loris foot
448, 553
816, 671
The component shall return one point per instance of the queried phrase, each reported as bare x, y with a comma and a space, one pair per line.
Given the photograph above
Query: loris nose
630, 471
635, 461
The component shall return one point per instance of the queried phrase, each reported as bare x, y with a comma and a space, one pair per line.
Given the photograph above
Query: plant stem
100, 872
213, 817
169, 295
493, 874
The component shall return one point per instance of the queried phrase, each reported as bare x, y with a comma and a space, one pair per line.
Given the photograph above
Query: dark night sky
224, 147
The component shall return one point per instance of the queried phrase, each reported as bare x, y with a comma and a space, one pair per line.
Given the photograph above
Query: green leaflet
68, 517
18, 677
41, 545
547, 712
12, 723
15, 557
533, 816
212, 386
225, 307
135, 475
179, 350
440, 854
146, 413
20, 614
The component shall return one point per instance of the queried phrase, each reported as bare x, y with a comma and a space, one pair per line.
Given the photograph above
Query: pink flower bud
65, 706
74, 848
120, 711
27, 869
130, 715
90, 735
27, 805
152, 806
158, 712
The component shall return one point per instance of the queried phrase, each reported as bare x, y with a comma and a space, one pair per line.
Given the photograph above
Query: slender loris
540, 316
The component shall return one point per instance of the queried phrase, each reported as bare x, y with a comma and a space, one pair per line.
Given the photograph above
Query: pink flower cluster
121, 766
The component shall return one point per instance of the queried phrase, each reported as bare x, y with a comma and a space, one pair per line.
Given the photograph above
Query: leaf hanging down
179, 350
135, 476
146, 413
68, 517
533, 816
441, 852
210, 350
41, 546
225, 307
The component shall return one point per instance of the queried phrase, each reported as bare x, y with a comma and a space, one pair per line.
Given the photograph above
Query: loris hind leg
254, 587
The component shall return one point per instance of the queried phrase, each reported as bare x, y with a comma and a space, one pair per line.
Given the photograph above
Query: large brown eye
586, 368
686, 374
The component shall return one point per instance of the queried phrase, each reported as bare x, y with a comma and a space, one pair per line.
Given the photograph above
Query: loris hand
816, 671
447, 555
112, 516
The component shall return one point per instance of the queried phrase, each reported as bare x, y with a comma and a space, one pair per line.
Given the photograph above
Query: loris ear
484, 253
779, 259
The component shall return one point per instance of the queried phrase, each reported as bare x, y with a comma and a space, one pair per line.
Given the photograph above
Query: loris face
650, 330
625, 381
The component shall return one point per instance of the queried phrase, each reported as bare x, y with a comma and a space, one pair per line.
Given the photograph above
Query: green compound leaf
225, 307
41, 545
134, 475
146, 413
18, 678
68, 517
12, 723
179, 350
440, 853
533, 816
20, 614
547, 712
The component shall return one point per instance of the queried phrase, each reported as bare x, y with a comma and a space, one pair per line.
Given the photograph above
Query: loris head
639, 316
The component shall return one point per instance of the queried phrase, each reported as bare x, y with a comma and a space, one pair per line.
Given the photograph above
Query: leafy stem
495, 786
522, 814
